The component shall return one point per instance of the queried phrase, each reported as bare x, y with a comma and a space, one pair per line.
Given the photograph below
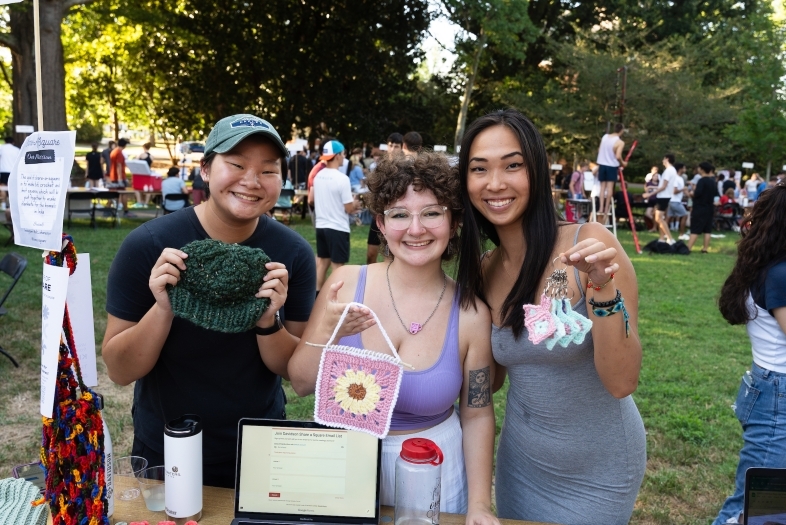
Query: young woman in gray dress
572, 448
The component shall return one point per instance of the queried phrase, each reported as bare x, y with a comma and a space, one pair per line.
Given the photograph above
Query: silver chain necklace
414, 327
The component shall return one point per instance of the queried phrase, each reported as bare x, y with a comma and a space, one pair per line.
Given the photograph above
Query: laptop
765, 496
294, 472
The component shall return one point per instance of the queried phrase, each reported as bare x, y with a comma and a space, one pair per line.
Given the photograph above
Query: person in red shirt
117, 162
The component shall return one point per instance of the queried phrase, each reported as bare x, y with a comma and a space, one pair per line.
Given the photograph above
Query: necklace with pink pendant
414, 327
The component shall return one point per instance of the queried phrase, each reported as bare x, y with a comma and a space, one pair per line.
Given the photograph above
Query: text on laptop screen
305, 471
767, 501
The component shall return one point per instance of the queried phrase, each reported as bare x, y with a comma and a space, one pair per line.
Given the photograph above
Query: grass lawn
693, 361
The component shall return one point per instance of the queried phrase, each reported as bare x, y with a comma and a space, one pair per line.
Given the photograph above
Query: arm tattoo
479, 388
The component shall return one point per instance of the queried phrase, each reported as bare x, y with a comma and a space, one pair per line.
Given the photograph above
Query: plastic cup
128, 467
151, 483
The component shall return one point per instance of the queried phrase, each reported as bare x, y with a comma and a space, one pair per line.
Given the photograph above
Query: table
218, 508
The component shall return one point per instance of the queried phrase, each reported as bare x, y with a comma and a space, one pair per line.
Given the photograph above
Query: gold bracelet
598, 287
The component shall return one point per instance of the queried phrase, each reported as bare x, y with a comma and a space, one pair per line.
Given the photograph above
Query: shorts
4, 178
333, 245
607, 173
374, 233
677, 209
701, 222
662, 204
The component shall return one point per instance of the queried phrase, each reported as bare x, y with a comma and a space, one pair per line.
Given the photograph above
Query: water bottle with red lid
418, 483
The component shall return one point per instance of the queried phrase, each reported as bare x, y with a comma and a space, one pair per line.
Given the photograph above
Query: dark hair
122, 143
669, 156
539, 221
395, 138
9, 139
413, 141
429, 171
763, 243
706, 167
172, 172
146, 145
678, 166
112, 143
619, 126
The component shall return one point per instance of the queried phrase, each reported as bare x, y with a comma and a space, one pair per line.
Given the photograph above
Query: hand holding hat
218, 289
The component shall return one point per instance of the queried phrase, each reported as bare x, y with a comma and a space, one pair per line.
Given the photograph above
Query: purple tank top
426, 396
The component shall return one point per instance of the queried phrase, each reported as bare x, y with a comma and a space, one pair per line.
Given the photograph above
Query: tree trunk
51, 13
769, 169
462, 118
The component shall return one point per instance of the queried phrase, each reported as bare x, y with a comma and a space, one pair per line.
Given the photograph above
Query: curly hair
428, 171
763, 243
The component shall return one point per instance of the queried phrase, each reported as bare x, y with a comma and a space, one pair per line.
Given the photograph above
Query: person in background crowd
106, 160
413, 144
417, 202
650, 195
357, 178
177, 364
703, 210
728, 197
95, 174
145, 155
676, 207
664, 195
117, 173
761, 187
754, 294
609, 160
729, 183
333, 202
8, 156
173, 184
576, 189
395, 146
299, 167
198, 187
573, 447
751, 187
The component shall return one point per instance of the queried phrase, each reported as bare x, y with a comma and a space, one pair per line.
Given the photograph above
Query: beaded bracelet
606, 304
619, 306
599, 287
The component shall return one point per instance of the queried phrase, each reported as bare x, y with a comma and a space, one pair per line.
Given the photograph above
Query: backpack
657, 246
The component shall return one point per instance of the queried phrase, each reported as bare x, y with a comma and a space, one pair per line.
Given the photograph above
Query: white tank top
606, 155
768, 341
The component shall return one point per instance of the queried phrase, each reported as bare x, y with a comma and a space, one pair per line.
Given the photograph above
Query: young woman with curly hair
755, 295
417, 206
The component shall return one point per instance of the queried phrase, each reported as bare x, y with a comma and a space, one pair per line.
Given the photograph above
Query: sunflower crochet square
357, 389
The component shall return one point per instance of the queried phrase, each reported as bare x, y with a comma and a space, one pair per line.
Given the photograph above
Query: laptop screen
765, 496
292, 468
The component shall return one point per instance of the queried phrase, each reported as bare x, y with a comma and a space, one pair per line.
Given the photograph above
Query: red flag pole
627, 201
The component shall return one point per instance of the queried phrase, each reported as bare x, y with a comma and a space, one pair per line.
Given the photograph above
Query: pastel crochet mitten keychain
539, 321
571, 326
584, 323
559, 326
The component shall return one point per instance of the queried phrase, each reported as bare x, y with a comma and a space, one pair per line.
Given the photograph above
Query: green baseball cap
229, 131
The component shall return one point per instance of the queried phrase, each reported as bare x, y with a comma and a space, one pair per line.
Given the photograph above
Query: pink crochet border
334, 362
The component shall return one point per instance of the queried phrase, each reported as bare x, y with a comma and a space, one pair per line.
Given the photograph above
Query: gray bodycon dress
569, 452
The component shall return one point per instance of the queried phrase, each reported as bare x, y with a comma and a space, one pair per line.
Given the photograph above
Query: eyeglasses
429, 217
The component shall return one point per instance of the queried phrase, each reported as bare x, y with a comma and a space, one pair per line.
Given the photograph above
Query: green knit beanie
217, 289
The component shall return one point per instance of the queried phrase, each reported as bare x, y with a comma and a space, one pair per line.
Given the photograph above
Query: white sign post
37, 189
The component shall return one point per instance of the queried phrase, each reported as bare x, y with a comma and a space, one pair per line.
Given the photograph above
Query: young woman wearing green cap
181, 367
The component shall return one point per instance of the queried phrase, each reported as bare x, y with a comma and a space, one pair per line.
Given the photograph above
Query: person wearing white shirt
676, 208
8, 155
665, 193
333, 202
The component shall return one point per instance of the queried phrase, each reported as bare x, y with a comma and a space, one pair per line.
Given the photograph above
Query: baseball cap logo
249, 122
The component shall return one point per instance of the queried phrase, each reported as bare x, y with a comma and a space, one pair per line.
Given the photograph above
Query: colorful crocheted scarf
217, 289
72, 451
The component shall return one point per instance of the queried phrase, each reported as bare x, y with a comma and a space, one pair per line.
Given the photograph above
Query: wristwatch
277, 325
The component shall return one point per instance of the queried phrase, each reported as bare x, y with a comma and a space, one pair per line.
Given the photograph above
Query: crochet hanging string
72, 451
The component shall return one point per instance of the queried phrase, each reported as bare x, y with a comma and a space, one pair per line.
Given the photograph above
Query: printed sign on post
55, 286
80, 310
37, 189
